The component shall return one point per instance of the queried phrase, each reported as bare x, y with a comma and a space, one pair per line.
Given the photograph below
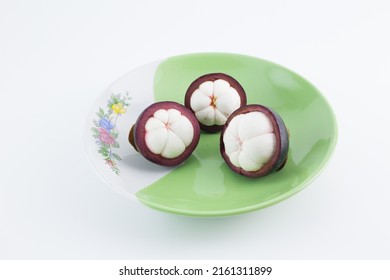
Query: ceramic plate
204, 185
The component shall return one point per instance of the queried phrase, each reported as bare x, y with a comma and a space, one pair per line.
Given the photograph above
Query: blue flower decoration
106, 124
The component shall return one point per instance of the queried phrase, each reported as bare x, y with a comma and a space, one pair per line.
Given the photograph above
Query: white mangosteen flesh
168, 133
250, 141
214, 101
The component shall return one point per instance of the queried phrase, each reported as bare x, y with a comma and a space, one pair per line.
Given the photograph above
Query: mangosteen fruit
254, 141
212, 98
165, 133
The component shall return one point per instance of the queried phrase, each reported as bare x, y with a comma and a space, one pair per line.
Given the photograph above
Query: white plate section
130, 172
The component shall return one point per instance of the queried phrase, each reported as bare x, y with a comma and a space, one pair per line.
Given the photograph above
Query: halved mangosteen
254, 141
165, 133
212, 98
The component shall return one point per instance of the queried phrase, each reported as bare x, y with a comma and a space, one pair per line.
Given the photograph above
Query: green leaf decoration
114, 99
117, 157
100, 113
104, 146
114, 134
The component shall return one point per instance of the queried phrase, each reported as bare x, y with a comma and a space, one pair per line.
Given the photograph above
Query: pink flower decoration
110, 162
105, 137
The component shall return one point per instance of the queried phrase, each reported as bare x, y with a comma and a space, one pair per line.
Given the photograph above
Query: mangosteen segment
247, 146
212, 98
168, 133
165, 133
254, 141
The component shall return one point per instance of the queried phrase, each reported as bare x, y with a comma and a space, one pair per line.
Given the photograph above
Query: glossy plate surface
204, 185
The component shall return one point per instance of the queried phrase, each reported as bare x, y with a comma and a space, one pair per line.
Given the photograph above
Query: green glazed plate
204, 185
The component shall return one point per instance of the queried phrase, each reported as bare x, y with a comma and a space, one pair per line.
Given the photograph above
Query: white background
56, 57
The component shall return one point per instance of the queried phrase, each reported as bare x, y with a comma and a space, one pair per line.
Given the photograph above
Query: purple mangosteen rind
210, 128
278, 160
213, 77
138, 132
131, 138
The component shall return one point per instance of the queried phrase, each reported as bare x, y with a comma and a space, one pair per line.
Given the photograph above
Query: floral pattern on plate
105, 131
